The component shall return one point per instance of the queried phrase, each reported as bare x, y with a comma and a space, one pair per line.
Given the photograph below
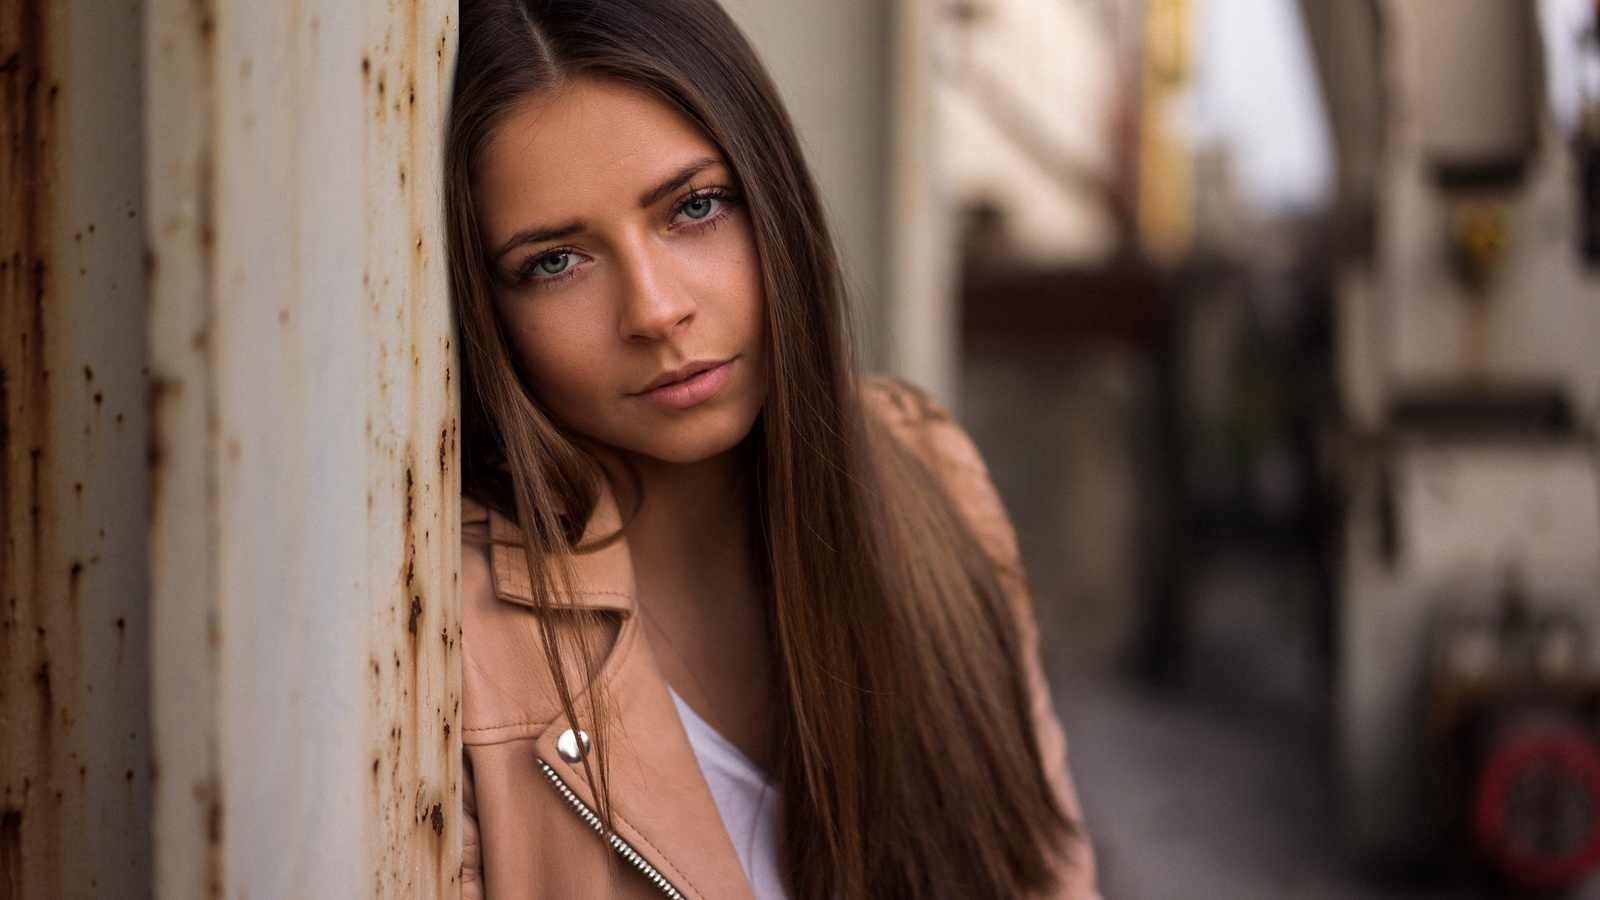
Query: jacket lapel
662, 806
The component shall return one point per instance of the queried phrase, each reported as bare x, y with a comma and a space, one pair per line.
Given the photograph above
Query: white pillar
303, 531
922, 266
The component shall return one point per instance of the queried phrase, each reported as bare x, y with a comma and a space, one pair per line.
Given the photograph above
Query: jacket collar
602, 579
663, 807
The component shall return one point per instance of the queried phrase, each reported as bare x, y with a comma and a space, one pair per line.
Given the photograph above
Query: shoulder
920, 424
899, 404
924, 426
930, 434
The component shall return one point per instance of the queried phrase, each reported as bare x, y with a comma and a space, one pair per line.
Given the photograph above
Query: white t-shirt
747, 800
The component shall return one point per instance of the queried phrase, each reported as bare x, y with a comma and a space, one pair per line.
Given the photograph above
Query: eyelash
526, 275
723, 195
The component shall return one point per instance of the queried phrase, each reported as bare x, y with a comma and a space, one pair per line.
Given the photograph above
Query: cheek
558, 359
744, 287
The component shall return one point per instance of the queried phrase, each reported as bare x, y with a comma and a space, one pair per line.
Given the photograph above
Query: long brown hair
905, 748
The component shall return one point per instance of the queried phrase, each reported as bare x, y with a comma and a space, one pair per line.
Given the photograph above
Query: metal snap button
573, 745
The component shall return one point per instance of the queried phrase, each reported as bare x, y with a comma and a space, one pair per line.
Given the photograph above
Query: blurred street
1223, 788
1302, 457
1186, 800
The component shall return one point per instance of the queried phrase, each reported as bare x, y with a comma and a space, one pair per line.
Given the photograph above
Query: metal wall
303, 529
228, 628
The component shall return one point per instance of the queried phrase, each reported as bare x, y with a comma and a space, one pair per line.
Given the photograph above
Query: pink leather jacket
529, 830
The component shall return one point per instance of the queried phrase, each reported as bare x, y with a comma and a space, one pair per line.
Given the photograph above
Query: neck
689, 525
689, 537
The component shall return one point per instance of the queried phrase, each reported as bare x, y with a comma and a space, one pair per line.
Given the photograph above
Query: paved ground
1186, 802
1221, 790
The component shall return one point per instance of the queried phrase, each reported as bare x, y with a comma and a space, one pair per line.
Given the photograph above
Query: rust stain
27, 203
167, 398
31, 830
11, 874
47, 702
214, 885
166, 395
411, 483
414, 697
160, 393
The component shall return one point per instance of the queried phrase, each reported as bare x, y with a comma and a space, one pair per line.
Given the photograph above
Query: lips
688, 385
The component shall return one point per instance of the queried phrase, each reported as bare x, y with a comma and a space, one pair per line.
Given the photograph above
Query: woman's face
626, 271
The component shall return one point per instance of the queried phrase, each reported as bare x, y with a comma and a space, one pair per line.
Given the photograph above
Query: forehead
588, 140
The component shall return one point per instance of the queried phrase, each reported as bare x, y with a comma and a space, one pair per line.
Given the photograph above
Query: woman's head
687, 56
625, 272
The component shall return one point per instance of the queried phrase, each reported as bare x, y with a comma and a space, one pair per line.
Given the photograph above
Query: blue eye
699, 206
553, 263
548, 267
703, 206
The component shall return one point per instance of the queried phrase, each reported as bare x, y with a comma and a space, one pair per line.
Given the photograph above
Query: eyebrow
539, 234
683, 177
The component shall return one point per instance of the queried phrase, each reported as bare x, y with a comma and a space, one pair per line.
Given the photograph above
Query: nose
656, 302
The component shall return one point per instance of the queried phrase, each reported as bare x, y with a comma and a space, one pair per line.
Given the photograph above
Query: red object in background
1119, 305
1536, 801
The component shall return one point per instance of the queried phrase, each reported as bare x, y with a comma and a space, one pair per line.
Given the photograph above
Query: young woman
737, 622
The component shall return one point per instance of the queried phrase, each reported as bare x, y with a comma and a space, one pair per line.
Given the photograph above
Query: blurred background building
1278, 323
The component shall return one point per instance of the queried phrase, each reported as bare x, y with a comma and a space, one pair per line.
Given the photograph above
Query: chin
694, 448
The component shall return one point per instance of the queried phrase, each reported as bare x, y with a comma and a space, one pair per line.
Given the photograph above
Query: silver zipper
618, 844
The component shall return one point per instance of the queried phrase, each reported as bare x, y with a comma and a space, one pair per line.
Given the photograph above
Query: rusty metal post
303, 531
74, 739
